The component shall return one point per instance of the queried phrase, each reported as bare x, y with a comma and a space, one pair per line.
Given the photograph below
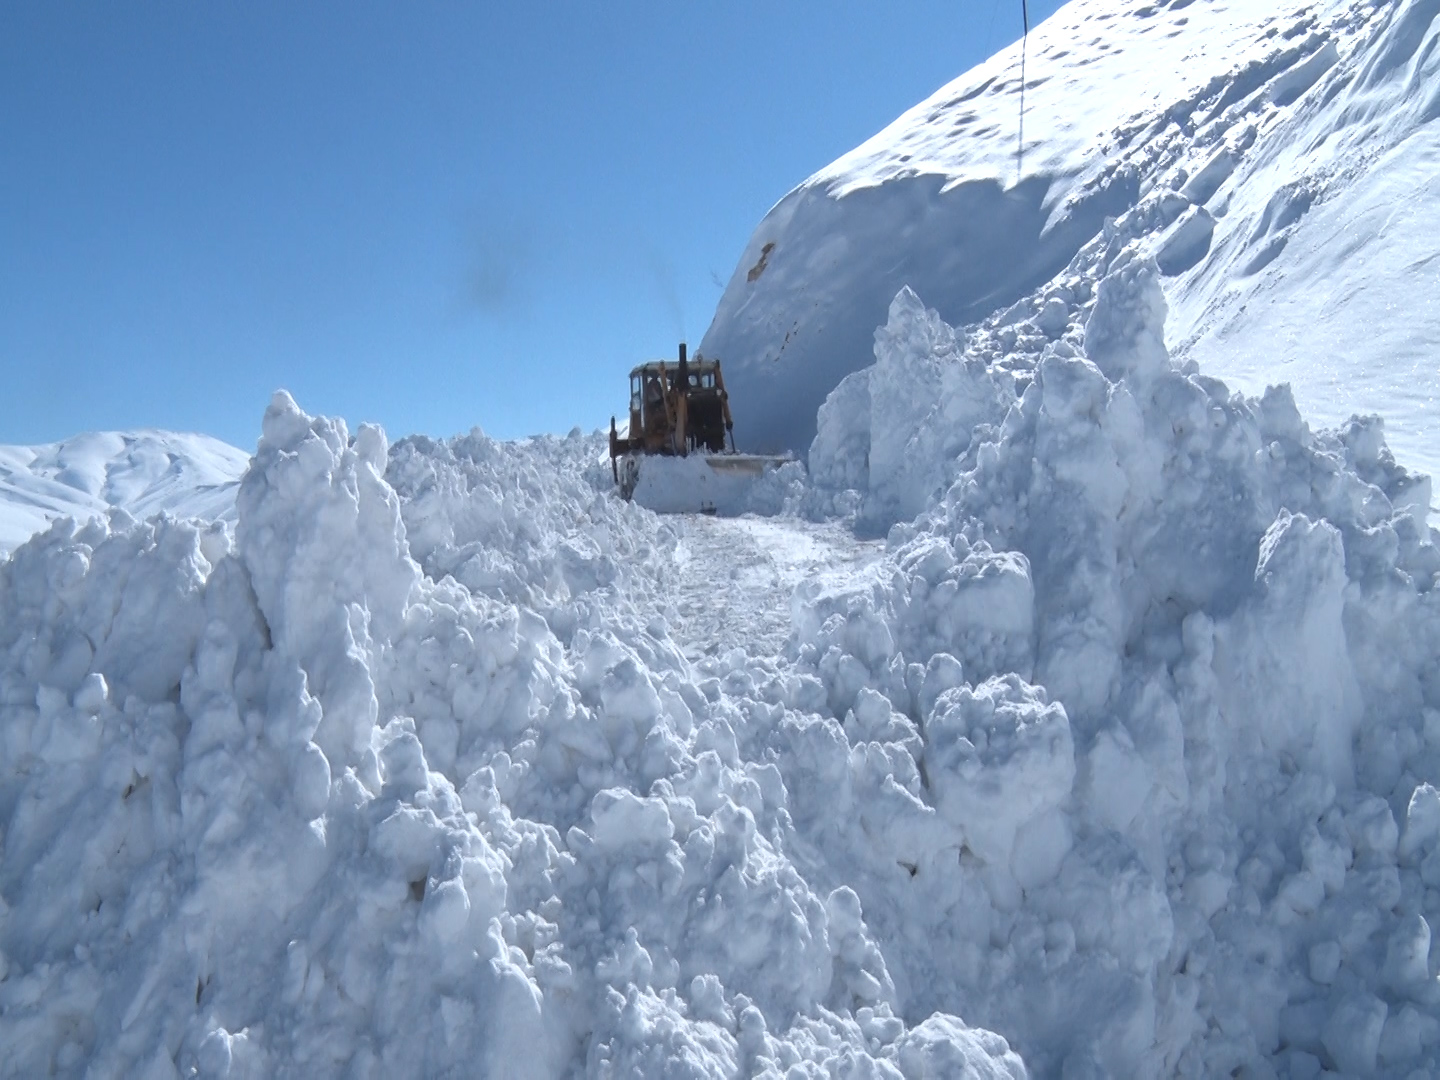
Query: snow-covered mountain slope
1286, 150
140, 472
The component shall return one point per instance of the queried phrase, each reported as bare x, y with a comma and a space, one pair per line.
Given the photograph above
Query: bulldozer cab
656, 393
676, 406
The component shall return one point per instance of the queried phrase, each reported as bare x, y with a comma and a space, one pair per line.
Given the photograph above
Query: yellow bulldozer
678, 408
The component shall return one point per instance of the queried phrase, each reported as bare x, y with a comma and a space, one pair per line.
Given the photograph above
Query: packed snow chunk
1125, 334
1283, 660
1407, 955
1422, 821
622, 818
969, 601
997, 756
1114, 903
1352, 1034
321, 535
95, 596
895, 430
942, 1047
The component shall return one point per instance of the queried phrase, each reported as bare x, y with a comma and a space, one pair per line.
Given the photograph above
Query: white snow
1076, 715
1279, 158
140, 472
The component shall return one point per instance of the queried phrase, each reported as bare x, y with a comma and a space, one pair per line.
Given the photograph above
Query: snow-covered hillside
140, 472
1285, 156
1077, 714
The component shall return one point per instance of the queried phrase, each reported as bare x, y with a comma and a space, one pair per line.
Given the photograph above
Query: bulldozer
678, 408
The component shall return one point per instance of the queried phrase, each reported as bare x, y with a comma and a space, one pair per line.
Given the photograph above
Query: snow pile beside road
1143, 727
1124, 754
277, 800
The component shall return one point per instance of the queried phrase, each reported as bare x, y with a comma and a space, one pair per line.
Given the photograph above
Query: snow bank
1136, 723
1122, 762
1287, 157
281, 799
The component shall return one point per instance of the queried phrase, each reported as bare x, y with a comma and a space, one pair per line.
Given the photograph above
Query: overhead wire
1024, 41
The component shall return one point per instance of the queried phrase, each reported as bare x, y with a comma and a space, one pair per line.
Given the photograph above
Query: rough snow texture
281, 800
1121, 758
1147, 705
1287, 158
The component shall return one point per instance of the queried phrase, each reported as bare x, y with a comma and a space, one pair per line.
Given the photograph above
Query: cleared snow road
737, 576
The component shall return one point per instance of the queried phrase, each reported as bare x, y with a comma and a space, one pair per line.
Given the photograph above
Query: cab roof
698, 365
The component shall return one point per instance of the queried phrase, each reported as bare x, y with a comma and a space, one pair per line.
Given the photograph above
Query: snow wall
1123, 765
1293, 144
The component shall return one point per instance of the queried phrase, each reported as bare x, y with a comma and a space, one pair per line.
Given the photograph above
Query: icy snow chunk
943, 1047
1353, 1034
1422, 820
1372, 828
1284, 660
997, 756
1407, 954
93, 694
1125, 334
310, 781
622, 818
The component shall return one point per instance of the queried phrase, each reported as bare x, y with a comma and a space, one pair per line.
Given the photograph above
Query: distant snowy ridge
140, 472
1290, 154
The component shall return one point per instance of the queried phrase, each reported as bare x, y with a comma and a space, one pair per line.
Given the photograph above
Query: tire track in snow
737, 576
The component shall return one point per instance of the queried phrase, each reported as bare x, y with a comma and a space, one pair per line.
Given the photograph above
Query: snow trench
1116, 758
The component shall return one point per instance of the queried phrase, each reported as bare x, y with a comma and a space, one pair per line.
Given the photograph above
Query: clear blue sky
430, 215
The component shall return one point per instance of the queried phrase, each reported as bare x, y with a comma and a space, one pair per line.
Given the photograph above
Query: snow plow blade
695, 484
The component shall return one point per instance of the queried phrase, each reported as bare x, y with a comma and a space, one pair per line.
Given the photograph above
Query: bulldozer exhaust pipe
682, 381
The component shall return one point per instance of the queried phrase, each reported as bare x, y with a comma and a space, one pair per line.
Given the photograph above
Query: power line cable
1024, 41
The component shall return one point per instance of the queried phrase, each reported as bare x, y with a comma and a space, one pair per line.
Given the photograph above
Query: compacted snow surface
1074, 715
